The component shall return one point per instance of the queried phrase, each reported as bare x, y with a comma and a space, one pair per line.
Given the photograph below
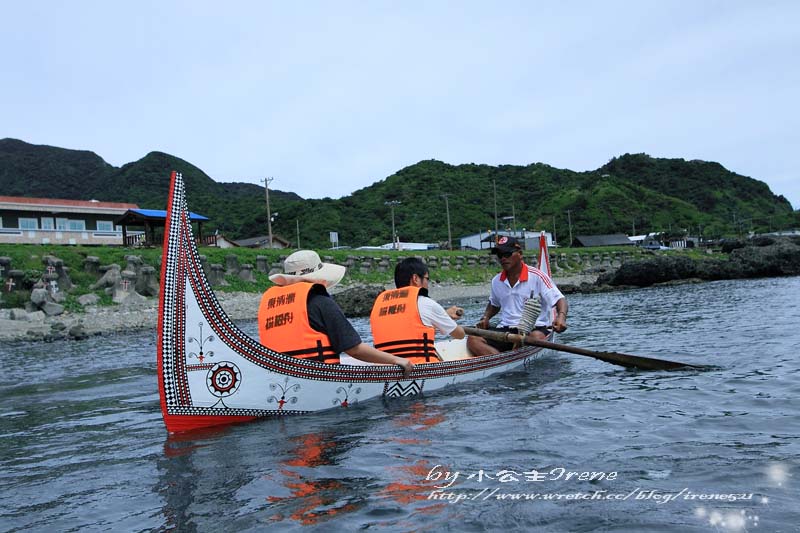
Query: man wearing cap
405, 320
298, 317
511, 288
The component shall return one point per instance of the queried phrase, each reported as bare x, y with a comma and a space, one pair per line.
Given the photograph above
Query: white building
58, 221
401, 246
485, 240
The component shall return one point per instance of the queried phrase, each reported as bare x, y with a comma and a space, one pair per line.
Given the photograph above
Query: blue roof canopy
158, 213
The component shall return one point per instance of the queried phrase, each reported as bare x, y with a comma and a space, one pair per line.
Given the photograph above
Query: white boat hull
211, 373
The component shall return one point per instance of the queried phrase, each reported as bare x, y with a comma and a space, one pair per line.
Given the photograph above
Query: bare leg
478, 346
537, 334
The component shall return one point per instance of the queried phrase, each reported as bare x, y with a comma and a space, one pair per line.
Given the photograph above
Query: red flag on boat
544, 256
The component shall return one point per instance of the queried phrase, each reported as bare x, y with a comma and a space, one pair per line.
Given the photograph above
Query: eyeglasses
426, 278
501, 255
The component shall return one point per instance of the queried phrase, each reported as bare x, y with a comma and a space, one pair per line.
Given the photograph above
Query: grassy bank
29, 259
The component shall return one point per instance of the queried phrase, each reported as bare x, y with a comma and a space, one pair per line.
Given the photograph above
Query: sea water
569, 444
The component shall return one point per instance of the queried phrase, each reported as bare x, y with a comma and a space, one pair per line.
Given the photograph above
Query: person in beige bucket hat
298, 317
305, 265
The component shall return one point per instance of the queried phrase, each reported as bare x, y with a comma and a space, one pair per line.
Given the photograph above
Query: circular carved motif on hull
223, 379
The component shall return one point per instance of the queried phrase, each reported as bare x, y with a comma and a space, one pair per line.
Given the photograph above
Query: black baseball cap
506, 245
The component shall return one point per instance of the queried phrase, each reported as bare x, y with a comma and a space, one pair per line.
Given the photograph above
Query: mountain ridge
632, 192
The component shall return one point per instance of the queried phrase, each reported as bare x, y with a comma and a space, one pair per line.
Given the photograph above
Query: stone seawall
762, 257
135, 314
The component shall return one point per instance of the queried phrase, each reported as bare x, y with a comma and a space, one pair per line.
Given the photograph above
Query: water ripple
82, 445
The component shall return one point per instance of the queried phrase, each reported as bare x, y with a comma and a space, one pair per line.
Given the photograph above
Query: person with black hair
405, 320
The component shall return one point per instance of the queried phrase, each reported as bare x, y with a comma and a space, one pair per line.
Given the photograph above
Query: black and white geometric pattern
223, 379
399, 389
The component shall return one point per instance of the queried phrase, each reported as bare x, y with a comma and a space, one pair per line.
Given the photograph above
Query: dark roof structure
262, 242
616, 239
153, 219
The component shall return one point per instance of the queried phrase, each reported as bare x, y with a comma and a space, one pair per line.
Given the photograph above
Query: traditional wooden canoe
211, 373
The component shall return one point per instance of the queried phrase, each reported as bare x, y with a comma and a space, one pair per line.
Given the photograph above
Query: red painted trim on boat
180, 423
160, 338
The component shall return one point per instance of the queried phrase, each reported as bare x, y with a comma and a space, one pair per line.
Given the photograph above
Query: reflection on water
312, 497
408, 482
83, 447
303, 483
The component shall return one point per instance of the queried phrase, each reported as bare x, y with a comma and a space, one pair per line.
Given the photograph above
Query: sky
328, 97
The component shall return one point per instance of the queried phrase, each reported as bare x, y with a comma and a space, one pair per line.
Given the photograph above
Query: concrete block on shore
5, 266
52, 309
78, 332
111, 276
14, 281
217, 275
92, 265
231, 264
246, 273
147, 281
39, 297
56, 266
132, 300
124, 287
21, 315
135, 263
18, 314
88, 299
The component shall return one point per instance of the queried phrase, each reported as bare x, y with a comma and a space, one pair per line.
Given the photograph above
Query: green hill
47, 171
630, 193
723, 197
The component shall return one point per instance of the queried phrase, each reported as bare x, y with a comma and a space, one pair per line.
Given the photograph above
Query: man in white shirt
511, 288
414, 272
404, 320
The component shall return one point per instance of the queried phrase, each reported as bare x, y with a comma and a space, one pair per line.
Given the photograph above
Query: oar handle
500, 336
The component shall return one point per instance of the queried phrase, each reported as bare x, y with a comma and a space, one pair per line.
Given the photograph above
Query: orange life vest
398, 329
284, 327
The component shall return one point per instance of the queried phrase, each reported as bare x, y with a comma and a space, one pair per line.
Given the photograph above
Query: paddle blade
615, 358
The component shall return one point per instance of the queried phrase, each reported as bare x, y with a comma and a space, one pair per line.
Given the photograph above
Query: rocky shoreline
761, 257
18, 325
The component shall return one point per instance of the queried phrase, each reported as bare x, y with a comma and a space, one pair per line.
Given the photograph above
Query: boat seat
453, 349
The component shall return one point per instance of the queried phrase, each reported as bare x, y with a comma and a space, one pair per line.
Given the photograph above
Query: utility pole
267, 181
494, 187
513, 220
297, 222
554, 230
391, 205
633, 227
449, 235
569, 221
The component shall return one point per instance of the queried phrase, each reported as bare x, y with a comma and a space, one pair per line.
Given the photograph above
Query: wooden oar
615, 358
